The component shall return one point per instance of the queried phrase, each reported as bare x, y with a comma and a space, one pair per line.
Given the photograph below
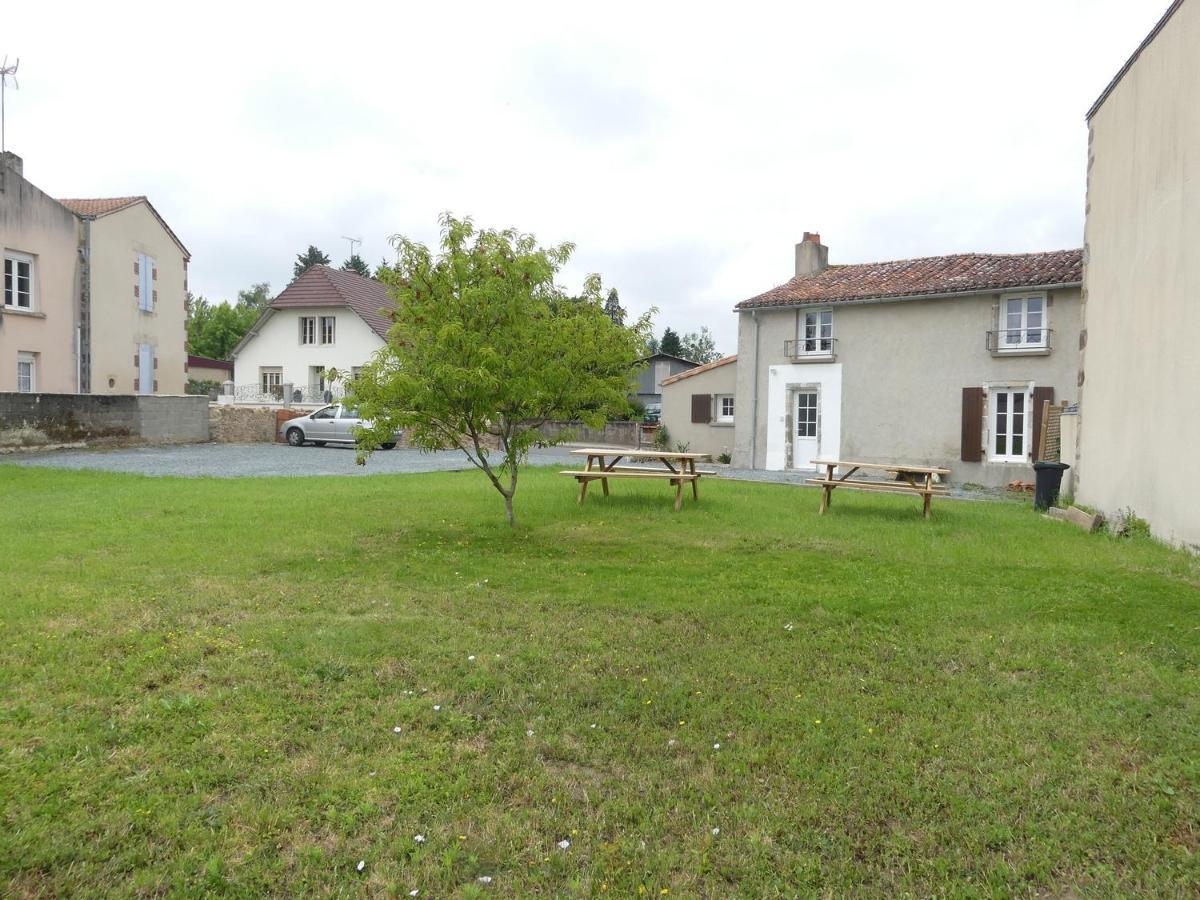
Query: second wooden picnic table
604, 463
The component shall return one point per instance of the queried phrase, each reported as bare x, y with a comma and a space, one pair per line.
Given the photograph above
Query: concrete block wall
82, 417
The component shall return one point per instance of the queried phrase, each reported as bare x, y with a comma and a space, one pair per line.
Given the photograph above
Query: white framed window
308, 329
1022, 323
1010, 422
724, 405
817, 337
26, 373
806, 414
18, 280
271, 380
328, 324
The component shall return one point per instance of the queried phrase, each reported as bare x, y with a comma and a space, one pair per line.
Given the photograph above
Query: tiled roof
99, 206
933, 275
700, 370
323, 286
96, 207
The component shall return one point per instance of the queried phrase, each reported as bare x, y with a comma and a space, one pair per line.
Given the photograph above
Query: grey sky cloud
684, 148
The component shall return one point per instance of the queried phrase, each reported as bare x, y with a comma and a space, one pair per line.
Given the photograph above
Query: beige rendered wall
118, 326
903, 367
714, 437
1140, 405
41, 227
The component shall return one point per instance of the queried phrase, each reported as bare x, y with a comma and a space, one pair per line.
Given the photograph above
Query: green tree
214, 329
483, 351
699, 347
356, 265
670, 344
306, 260
257, 295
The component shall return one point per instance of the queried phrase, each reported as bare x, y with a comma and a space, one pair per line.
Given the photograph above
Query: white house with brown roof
1139, 364
325, 319
942, 361
94, 293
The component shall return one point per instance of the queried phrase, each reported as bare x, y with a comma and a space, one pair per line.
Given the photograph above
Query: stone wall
247, 424
621, 434
57, 418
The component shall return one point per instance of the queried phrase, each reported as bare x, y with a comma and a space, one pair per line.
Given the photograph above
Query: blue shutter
145, 369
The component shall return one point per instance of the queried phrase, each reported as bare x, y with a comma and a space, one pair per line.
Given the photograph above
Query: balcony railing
306, 394
1019, 340
810, 349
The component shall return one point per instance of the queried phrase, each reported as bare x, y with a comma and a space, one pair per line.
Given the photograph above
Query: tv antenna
6, 72
352, 241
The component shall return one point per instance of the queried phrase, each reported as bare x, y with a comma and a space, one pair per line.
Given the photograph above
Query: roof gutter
876, 301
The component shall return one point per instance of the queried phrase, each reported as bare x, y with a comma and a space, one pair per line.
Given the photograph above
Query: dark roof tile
323, 286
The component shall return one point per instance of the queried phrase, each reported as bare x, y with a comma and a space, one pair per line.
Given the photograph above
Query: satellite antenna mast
352, 241
6, 71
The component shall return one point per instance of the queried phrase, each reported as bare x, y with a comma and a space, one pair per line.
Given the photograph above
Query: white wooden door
805, 422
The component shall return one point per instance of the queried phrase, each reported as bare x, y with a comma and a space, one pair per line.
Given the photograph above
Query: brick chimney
811, 255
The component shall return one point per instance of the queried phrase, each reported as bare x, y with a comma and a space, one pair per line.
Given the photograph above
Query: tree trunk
509, 510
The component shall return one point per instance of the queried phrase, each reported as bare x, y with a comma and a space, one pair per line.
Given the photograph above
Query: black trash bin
1047, 480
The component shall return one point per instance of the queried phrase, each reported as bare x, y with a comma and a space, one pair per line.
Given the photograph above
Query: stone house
943, 361
94, 293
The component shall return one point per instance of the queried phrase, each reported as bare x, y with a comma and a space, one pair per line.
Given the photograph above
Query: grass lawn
201, 682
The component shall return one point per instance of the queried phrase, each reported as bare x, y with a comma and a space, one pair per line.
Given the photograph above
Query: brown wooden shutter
1041, 396
972, 424
702, 408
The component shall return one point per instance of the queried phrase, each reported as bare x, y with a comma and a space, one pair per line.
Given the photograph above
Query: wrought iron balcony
1019, 340
811, 349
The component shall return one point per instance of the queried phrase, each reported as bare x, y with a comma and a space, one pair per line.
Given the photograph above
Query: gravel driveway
241, 460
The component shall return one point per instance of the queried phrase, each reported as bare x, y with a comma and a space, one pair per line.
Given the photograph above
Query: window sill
15, 311
728, 424
1023, 351
813, 357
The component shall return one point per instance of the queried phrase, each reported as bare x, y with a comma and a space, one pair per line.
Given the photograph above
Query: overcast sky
683, 149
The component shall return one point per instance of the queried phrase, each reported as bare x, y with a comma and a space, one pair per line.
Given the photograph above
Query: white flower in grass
362, 864
716, 746
437, 709
396, 730
788, 627
413, 893
470, 659
716, 831
484, 879
672, 742
419, 838
593, 724
564, 844
529, 733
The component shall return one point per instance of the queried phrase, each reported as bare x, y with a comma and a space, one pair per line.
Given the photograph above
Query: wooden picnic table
603, 464
916, 479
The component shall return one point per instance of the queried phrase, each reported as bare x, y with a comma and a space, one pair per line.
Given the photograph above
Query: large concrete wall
72, 417
118, 325
903, 366
711, 437
1140, 398
39, 226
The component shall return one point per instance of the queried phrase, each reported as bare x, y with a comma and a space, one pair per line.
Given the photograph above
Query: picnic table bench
915, 480
604, 464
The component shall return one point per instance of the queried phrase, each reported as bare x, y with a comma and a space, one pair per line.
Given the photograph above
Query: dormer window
1022, 323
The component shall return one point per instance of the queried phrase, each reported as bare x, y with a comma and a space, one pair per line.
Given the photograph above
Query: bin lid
1048, 464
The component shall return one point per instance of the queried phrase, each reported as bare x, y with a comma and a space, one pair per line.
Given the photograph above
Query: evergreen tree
670, 344
612, 308
306, 260
356, 265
